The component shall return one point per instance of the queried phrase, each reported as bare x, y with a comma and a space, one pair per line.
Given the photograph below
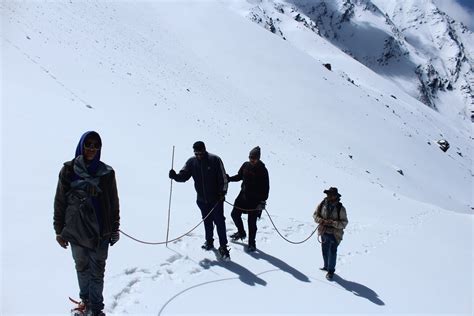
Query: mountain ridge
412, 43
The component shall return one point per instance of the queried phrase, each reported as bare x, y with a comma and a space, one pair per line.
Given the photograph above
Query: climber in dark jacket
86, 215
210, 182
253, 196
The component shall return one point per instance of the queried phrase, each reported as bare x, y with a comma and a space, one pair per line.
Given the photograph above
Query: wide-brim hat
332, 191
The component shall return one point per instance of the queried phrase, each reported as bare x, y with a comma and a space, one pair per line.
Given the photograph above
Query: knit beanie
199, 146
255, 153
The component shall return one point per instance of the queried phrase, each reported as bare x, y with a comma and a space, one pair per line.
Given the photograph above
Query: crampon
80, 309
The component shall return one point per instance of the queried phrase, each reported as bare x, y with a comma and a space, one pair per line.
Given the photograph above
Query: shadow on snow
245, 275
280, 264
359, 290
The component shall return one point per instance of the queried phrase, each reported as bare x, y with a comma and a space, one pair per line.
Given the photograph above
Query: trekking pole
169, 204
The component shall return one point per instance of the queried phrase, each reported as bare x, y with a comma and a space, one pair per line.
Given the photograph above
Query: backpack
338, 208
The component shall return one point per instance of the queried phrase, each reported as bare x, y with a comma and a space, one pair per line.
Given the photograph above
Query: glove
328, 222
221, 197
261, 205
61, 241
172, 174
114, 237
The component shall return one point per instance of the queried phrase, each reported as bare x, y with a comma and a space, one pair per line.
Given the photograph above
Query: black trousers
236, 215
216, 218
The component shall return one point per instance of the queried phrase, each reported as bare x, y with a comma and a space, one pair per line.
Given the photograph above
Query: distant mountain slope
412, 43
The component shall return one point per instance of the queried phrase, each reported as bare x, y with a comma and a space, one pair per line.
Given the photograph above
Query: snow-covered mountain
412, 43
153, 74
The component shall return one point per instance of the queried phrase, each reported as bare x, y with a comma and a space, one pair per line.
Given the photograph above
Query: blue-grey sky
460, 10
467, 3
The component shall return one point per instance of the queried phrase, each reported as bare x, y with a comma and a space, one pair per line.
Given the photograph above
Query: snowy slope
151, 75
412, 43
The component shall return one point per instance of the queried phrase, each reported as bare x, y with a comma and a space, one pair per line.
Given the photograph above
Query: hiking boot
238, 235
224, 252
330, 275
251, 248
323, 269
208, 245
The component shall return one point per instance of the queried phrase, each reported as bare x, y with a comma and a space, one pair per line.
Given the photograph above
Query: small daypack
338, 208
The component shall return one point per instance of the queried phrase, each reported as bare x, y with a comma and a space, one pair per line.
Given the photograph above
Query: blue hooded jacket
86, 204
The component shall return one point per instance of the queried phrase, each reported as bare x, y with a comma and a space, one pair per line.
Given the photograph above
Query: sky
460, 10
467, 3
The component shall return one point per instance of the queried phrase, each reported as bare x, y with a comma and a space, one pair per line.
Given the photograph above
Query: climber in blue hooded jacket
86, 215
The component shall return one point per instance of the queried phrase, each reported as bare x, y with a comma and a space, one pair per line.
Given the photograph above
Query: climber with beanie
210, 182
86, 216
253, 195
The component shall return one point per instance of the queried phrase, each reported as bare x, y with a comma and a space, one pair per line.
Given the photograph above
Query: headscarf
94, 164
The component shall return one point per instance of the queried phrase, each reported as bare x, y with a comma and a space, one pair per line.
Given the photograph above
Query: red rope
274, 226
167, 241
